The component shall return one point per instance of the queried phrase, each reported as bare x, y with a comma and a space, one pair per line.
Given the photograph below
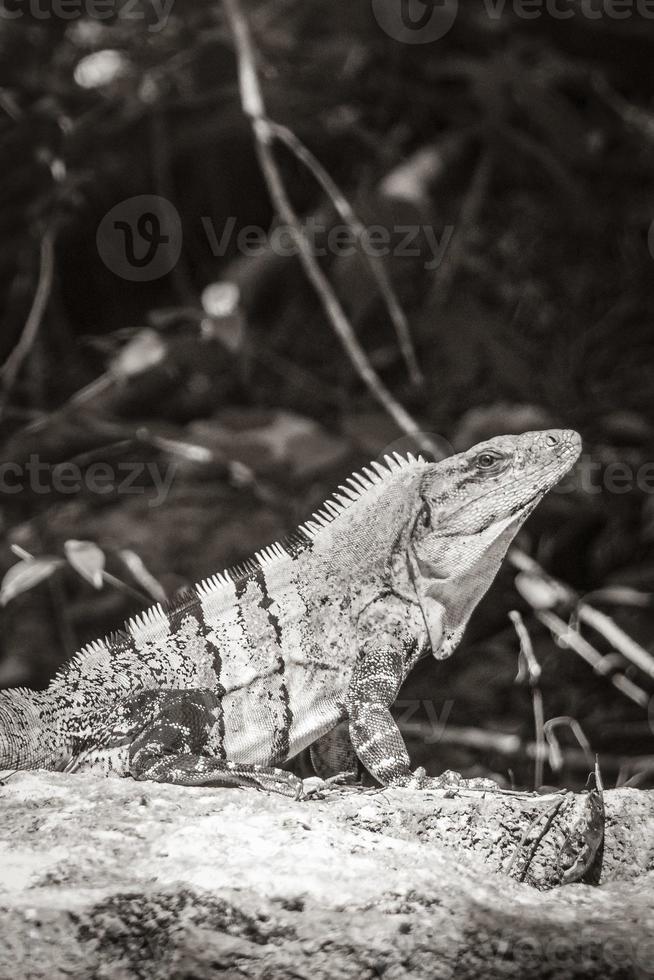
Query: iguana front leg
374, 734
387, 652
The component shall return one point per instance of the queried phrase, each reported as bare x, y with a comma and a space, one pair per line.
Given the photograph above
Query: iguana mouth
523, 505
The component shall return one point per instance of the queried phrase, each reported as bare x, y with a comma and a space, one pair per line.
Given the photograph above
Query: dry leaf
143, 352
87, 559
539, 593
144, 577
24, 575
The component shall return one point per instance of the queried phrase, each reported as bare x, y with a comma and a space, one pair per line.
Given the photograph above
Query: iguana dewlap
258, 662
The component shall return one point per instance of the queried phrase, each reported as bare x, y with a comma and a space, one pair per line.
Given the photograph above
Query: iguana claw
313, 787
453, 781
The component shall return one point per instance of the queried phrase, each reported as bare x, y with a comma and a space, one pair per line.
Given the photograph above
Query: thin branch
617, 637
570, 638
533, 676
556, 755
548, 817
253, 107
107, 577
11, 368
561, 594
473, 203
511, 745
377, 268
526, 649
545, 159
163, 184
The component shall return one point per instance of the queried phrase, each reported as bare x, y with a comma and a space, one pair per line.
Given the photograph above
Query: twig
635, 117
11, 368
126, 589
559, 593
107, 577
67, 635
253, 107
161, 172
526, 649
556, 756
548, 816
545, 159
468, 216
639, 767
617, 637
346, 212
297, 375
533, 676
570, 638
539, 723
511, 745
525, 563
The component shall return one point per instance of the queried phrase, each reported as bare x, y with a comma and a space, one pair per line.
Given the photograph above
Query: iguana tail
29, 738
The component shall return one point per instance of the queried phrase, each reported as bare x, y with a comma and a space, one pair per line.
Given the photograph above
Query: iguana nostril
551, 439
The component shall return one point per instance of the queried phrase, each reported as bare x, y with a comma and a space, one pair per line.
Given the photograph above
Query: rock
116, 879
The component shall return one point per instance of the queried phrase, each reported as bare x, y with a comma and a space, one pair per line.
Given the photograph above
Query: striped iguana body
258, 662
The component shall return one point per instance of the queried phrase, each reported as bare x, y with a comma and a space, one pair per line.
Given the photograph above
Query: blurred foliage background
525, 146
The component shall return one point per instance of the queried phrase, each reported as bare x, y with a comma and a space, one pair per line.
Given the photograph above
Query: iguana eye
425, 516
486, 460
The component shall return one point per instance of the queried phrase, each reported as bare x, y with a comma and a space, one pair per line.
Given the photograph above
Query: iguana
262, 660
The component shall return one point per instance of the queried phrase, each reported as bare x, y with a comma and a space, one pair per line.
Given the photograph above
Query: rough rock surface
116, 879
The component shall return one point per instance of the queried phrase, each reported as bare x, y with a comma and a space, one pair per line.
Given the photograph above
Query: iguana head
470, 507
493, 481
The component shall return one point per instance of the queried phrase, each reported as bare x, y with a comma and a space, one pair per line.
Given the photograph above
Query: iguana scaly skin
258, 662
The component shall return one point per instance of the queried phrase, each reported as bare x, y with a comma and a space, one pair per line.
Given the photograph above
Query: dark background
533, 139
